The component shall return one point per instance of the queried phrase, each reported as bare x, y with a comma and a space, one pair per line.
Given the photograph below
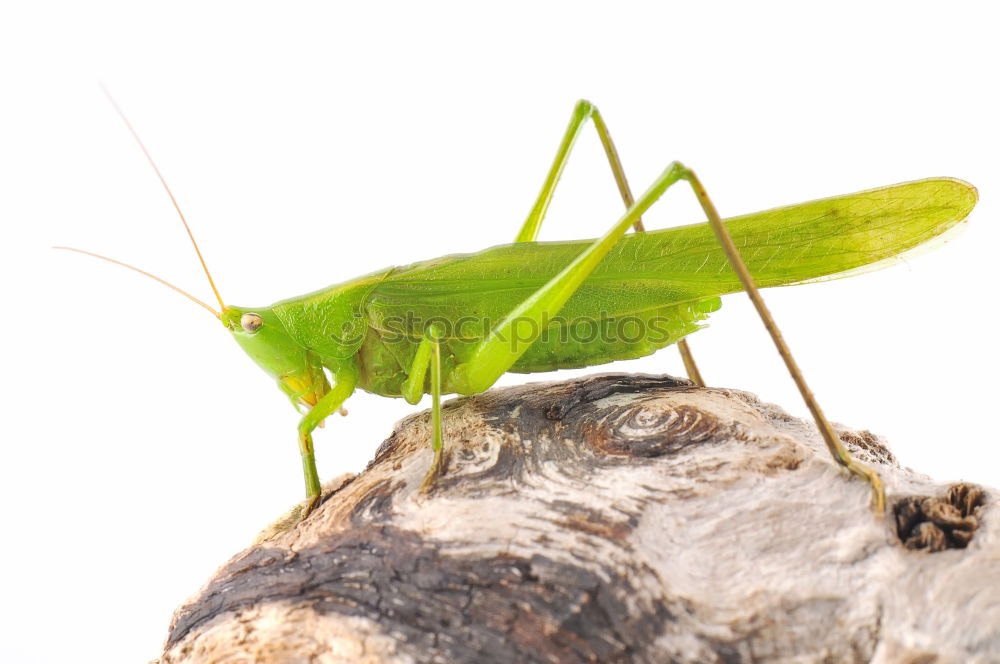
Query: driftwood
618, 518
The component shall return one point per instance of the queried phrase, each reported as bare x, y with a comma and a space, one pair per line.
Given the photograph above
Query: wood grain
616, 518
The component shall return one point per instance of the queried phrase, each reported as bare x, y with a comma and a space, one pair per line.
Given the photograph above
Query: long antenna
151, 276
135, 135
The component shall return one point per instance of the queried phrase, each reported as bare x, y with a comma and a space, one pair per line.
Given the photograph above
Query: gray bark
617, 518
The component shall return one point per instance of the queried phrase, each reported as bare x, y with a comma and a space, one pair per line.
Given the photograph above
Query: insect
455, 324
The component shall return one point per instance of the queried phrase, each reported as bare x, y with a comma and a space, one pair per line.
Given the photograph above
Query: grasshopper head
262, 335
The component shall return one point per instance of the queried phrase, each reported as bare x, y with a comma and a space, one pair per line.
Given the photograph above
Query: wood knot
867, 447
942, 522
641, 431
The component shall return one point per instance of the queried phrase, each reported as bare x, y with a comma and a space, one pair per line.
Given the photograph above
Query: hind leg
583, 111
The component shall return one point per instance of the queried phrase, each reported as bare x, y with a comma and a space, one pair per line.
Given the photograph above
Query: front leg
345, 380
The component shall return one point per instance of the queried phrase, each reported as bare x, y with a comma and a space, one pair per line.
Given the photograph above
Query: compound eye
251, 323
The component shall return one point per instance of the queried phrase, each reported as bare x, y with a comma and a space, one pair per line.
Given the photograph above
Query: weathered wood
618, 518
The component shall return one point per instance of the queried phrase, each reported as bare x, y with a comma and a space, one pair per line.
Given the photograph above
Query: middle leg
428, 355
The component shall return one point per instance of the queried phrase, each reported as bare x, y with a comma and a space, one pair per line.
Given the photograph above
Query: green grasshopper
455, 324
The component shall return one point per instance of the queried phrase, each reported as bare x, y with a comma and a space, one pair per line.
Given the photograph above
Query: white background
313, 142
